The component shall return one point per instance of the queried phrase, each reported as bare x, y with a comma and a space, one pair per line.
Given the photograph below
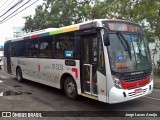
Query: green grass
157, 82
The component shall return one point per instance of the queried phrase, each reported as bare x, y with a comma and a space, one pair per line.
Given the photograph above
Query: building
17, 31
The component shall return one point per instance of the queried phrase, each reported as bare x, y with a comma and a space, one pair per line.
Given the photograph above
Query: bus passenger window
32, 48
14, 49
46, 46
22, 48
65, 45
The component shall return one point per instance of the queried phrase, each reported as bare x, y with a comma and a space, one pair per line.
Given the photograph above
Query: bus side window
14, 49
58, 53
65, 45
46, 46
32, 48
22, 48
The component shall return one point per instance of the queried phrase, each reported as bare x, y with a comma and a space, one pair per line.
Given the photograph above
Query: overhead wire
15, 10
18, 12
1, 1
12, 8
3, 4
7, 6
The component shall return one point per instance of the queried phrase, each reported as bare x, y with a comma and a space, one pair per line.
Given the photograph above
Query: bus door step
95, 97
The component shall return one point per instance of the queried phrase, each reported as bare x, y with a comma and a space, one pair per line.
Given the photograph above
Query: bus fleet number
57, 67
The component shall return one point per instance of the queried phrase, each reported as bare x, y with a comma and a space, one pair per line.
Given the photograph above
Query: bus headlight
117, 82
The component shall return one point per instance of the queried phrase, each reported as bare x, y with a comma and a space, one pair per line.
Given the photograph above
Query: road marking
152, 98
1, 81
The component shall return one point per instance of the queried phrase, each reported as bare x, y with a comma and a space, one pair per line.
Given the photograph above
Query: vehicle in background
1, 59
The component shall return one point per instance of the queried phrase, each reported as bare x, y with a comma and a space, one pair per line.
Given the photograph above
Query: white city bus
105, 59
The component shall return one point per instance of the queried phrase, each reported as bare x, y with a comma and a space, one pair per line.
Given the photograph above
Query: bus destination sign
121, 26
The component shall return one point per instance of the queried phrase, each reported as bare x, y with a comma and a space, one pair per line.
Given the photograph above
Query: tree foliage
57, 13
144, 12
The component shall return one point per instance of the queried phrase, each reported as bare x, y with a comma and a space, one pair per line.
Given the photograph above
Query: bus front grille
129, 78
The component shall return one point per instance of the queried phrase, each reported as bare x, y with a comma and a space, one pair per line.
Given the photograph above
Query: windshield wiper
124, 43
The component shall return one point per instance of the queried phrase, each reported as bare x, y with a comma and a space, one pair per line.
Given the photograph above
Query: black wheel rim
18, 75
71, 90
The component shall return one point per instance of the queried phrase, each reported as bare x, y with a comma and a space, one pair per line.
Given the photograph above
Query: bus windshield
128, 52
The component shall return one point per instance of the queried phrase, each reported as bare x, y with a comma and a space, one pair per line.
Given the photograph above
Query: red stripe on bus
35, 36
135, 84
39, 67
76, 72
94, 83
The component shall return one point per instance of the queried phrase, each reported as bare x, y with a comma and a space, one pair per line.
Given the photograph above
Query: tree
28, 24
144, 12
57, 13
39, 21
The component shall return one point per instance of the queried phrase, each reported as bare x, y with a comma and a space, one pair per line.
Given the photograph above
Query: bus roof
52, 31
120, 20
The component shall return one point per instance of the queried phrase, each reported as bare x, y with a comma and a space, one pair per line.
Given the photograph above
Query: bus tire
70, 88
19, 75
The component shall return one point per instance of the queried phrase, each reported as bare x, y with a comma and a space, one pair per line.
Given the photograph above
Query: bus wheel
70, 88
19, 75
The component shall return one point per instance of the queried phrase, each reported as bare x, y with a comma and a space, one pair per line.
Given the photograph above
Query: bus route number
57, 67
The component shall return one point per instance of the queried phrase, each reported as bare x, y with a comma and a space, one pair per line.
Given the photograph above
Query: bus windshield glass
128, 51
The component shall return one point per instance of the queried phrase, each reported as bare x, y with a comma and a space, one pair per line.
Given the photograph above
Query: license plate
137, 91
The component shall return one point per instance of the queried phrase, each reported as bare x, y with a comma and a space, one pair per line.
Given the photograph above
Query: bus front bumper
120, 95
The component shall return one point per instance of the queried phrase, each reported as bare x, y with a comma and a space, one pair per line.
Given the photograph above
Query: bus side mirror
106, 39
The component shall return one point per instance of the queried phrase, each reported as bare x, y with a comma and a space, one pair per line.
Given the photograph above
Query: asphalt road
38, 97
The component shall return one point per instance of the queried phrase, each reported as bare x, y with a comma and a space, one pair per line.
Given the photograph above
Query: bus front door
89, 64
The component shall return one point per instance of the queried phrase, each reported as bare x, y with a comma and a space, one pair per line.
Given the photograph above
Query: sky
6, 28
